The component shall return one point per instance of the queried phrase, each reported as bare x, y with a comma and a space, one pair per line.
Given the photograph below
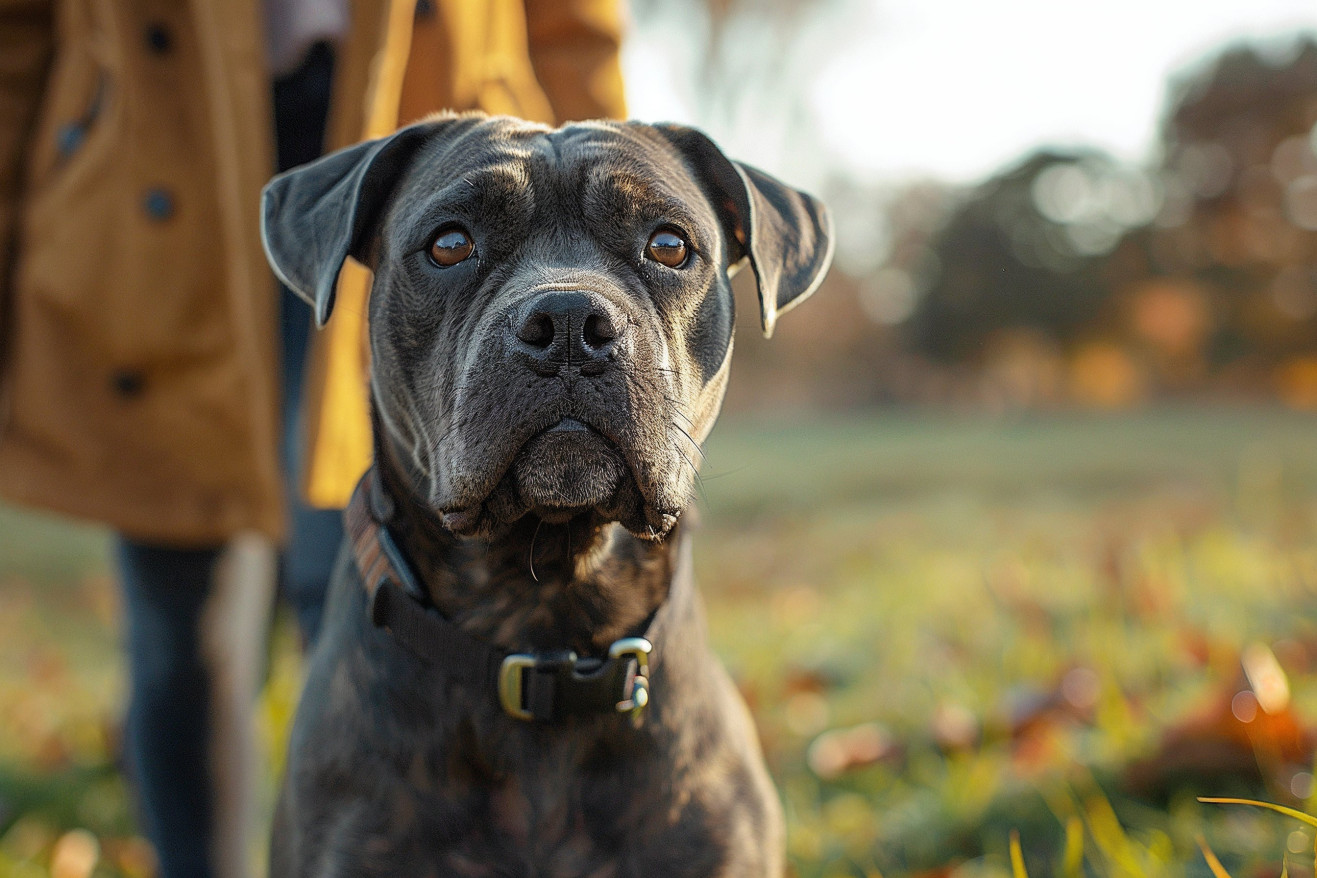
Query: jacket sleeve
26, 44
574, 47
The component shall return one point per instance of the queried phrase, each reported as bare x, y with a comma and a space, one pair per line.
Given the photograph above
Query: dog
513, 677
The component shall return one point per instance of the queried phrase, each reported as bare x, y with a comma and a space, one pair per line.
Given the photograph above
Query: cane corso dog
512, 677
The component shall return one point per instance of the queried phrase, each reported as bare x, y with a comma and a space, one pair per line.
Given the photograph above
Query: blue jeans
172, 724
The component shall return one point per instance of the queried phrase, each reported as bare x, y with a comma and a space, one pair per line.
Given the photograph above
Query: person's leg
301, 102
168, 725
196, 629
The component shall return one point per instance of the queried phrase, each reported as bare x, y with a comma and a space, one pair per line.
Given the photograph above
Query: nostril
537, 331
598, 331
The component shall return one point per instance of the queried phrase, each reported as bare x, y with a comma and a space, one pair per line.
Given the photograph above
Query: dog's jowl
513, 678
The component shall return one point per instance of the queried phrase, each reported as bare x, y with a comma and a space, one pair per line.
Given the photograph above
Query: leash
539, 686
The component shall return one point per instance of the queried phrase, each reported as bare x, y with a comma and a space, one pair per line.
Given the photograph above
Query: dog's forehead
631, 158
494, 146
504, 153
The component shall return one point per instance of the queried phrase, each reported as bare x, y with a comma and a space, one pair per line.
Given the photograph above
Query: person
154, 378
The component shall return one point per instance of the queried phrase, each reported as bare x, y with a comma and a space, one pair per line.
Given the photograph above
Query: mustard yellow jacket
138, 339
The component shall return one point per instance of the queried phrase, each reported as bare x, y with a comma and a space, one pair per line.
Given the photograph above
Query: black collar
541, 686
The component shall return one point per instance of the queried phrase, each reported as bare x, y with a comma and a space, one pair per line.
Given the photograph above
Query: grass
950, 628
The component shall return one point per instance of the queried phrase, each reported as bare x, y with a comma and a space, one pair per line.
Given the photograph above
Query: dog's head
551, 316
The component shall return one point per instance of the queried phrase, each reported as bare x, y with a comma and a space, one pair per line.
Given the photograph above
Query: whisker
533, 575
726, 472
697, 480
691, 439
676, 410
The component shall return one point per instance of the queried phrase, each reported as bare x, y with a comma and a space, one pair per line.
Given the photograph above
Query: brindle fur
529, 537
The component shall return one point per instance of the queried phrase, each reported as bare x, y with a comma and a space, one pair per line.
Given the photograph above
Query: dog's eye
667, 247
451, 246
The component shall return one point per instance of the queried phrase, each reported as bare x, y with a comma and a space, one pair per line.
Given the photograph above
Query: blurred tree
1200, 271
1029, 249
1240, 177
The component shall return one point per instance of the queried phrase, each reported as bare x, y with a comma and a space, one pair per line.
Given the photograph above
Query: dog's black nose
567, 327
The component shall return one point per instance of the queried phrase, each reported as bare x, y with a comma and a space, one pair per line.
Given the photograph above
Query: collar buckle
512, 688
539, 686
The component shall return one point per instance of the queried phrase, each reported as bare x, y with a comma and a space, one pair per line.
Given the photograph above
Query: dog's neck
579, 585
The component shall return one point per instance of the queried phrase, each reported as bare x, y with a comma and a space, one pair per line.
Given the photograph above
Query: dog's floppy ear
316, 215
786, 233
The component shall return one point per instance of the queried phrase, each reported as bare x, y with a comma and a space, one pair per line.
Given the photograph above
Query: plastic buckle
512, 678
510, 682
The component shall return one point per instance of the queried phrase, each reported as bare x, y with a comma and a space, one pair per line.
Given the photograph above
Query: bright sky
957, 88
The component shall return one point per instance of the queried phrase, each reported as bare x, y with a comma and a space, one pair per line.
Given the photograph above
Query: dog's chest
503, 833
539, 821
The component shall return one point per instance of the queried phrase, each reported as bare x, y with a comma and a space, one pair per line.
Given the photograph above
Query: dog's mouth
565, 470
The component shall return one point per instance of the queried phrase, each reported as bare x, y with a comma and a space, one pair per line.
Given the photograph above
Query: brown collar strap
542, 686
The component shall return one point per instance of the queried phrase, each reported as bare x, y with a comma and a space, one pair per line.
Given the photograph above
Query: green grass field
949, 628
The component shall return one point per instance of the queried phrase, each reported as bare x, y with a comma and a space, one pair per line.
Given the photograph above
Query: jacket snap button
159, 204
128, 383
158, 38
